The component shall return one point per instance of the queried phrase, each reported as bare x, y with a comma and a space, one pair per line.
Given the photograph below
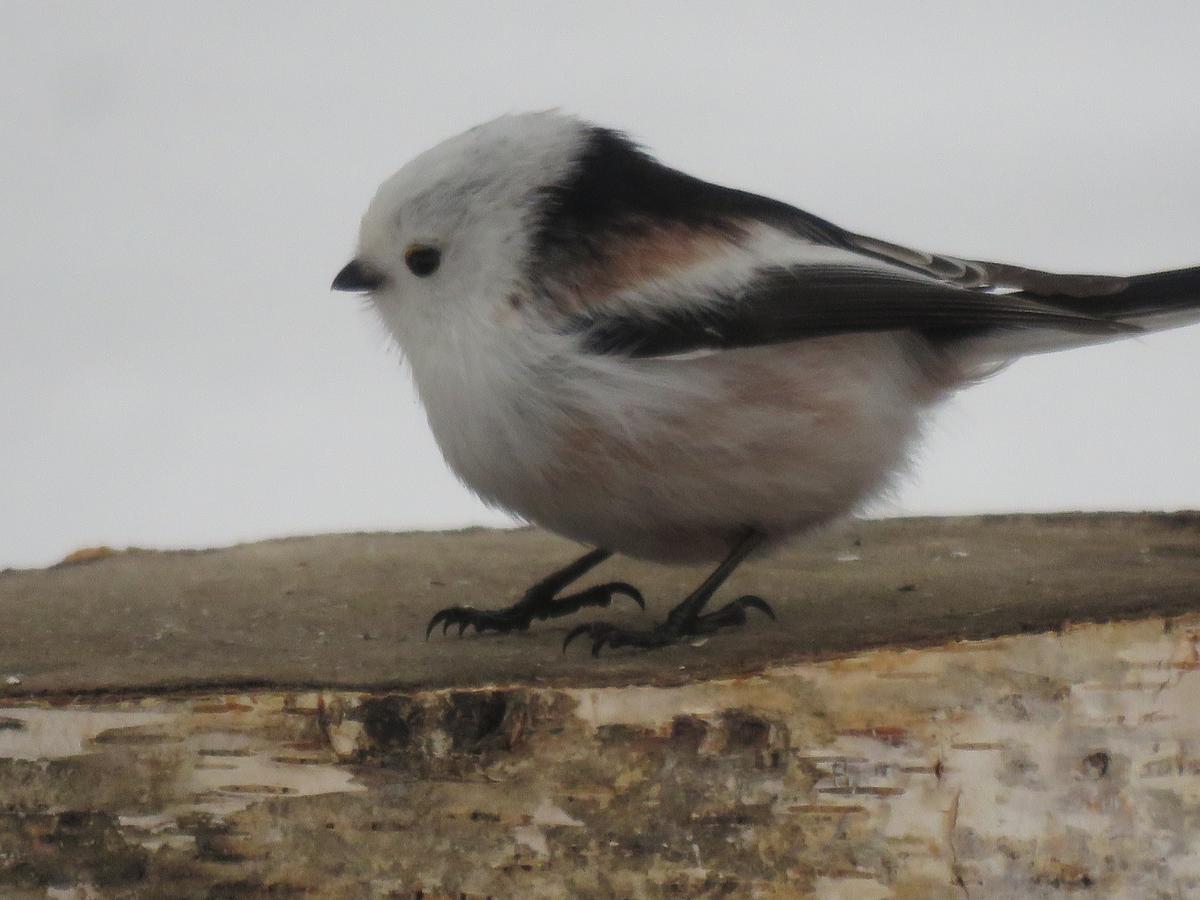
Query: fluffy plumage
652, 364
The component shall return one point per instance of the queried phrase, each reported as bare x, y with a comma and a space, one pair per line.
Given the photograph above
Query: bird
658, 366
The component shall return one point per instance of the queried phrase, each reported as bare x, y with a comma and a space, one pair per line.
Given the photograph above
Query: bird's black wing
621, 206
780, 305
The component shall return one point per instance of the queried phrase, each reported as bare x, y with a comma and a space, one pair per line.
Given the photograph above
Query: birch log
998, 707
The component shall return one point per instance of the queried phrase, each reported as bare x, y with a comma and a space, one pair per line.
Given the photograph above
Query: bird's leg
685, 620
540, 602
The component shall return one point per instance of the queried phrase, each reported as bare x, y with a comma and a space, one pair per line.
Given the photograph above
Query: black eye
422, 260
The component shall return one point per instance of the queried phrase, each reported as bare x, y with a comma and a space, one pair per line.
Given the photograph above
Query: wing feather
644, 260
780, 305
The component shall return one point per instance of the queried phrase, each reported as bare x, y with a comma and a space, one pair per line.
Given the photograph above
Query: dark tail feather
1145, 303
1165, 296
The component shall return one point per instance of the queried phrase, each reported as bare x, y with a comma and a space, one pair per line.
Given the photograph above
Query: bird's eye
422, 260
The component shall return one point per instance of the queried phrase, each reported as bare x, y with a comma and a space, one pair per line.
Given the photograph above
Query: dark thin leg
539, 602
689, 609
556, 581
685, 619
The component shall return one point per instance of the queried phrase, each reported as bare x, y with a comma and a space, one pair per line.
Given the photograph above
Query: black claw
600, 595
437, 617
611, 636
465, 617
604, 635
601, 633
518, 617
621, 587
541, 601
574, 633
685, 619
757, 603
730, 615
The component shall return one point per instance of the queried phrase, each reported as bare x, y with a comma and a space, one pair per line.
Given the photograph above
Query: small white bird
658, 366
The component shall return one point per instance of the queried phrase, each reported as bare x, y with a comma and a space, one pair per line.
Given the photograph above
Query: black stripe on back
615, 187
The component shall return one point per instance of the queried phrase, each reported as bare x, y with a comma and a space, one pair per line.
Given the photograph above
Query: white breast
670, 459
674, 459
481, 385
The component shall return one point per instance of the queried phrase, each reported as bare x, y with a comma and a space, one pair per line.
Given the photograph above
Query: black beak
358, 276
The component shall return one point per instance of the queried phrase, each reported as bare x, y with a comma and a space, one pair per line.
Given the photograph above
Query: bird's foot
672, 631
534, 605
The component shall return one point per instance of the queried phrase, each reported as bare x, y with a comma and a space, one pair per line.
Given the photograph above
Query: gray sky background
179, 183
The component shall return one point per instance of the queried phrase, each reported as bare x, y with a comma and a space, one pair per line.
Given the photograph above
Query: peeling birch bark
1030, 764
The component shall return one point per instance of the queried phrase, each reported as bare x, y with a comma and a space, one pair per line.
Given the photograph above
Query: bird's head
455, 227
546, 208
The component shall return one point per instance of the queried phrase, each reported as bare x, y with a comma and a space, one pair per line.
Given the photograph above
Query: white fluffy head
472, 197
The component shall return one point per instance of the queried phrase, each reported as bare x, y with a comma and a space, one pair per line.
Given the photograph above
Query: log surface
350, 610
267, 721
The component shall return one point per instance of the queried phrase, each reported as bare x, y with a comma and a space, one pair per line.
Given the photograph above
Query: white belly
673, 459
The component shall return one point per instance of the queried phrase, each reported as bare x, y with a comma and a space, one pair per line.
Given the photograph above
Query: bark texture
861, 748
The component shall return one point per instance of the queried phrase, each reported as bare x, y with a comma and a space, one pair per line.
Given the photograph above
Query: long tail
1148, 303
1153, 302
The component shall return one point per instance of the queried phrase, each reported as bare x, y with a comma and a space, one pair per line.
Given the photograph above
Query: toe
442, 615
755, 602
576, 632
628, 590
